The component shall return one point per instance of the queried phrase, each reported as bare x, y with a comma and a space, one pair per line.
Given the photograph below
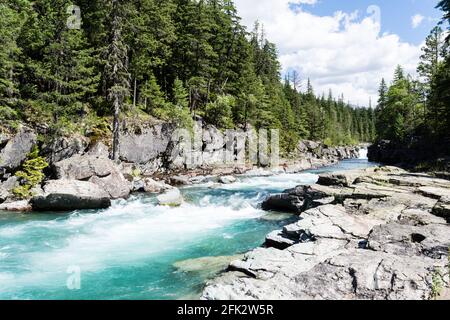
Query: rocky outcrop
68, 195
62, 148
16, 150
100, 171
157, 149
379, 235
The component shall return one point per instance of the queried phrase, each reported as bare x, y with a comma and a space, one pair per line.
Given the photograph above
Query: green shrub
31, 174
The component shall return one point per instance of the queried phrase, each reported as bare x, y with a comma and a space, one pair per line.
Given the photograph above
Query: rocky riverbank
81, 176
379, 233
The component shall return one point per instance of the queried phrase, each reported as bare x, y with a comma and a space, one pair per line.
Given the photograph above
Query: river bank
378, 233
80, 174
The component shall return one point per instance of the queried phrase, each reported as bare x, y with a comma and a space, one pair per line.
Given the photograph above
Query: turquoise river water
129, 250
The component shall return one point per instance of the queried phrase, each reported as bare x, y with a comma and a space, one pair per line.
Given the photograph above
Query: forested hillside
167, 59
418, 110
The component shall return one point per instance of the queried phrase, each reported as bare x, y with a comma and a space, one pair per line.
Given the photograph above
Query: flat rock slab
379, 233
16, 206
434, 192
68, 195
431, 240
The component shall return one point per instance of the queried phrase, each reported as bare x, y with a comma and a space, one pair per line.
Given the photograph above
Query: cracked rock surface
378, 233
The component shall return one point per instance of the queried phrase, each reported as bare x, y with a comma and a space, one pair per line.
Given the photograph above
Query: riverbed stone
206, 267
227, 179
153, 186
68, 195
180, 180
171, 198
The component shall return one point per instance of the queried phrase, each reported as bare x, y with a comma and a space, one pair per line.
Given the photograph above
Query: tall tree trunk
116, 129
134, 94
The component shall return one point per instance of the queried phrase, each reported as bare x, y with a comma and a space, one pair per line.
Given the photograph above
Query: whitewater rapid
128, 250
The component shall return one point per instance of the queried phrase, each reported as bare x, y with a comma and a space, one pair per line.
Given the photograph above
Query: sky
344, 45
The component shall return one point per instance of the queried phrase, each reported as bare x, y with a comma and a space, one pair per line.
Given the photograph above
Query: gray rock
99, 149
431, 240
279, 240
3, 139
227, 179
65, 147
367, 275
17, 149
171, 198
10, 183
435, 193
146, 147
180, 181
442, 208
4, 194
16, 206
138, 185
419, 217
284, 203
198, 180
68, 195
379, 241
101, 171
153, 186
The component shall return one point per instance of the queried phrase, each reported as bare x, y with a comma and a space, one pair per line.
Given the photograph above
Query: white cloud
417, 20
345, 52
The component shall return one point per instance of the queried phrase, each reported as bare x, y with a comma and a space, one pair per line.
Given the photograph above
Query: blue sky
395, 14
340, 45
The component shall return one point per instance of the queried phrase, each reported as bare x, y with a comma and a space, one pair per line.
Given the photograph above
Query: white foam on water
279, 181
363, 154
129, 233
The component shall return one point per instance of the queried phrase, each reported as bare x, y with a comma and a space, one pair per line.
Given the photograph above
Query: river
130, 250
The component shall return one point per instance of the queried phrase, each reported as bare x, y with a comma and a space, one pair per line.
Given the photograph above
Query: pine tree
12, 18
116, 70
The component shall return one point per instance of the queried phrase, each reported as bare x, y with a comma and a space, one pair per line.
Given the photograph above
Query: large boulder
227, 179
16, 206
68, 195
284, 202
171, 198
442, 208
147, 146
152, 186
100, 171
62, 148
17, 149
